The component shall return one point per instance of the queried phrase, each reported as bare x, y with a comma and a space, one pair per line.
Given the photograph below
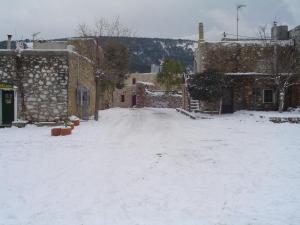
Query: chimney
9, 36
201, 32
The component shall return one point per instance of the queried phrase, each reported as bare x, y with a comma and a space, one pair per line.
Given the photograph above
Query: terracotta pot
71, 125
55, 132
76, 122
66, 131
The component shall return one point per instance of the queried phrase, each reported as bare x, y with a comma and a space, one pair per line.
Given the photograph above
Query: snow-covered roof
246, 74
145, 83
254, 42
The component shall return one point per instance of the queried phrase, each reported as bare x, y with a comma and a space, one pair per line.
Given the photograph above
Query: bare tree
101, 27
105, 27
282, 63
84, 30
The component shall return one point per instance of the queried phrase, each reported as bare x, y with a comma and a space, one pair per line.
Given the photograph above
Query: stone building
143, 90
126, 97
41, 85
246, 63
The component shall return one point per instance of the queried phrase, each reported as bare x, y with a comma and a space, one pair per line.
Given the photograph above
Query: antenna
238, 7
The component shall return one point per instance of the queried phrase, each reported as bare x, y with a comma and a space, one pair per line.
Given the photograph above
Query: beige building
126, 97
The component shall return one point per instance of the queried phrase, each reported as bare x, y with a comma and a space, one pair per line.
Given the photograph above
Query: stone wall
147, 97
243, 57
294, 100
248, 93
159, 100
128, 92
42, 81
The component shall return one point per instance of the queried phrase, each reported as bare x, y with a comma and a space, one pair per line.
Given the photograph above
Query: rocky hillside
147, 51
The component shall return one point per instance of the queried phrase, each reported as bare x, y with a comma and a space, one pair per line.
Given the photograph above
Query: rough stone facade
45, 81
129, 92
236, 57
157, 100
248, 64
148, 97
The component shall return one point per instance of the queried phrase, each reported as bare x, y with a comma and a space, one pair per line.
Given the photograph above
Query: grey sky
155, 18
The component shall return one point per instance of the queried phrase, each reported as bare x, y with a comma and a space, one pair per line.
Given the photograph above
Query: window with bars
268, 96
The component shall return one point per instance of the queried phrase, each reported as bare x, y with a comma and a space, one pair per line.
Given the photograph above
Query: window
133, 81
268, 96
122, 98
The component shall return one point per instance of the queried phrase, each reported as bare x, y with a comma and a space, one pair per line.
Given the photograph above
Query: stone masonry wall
42, 82
248, 93
233, 57
163, 101
147, 97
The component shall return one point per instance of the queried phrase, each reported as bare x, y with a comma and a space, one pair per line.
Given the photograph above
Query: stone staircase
195, 107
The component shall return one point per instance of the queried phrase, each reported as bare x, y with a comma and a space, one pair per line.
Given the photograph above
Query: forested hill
147, 51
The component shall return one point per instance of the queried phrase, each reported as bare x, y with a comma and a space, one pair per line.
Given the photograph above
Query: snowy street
153, 167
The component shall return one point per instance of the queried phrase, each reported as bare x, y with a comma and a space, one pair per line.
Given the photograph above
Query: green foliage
207, 86
171, 75
115, 64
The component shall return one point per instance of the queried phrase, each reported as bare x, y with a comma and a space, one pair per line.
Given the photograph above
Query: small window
122, 98
268, 96
133, 81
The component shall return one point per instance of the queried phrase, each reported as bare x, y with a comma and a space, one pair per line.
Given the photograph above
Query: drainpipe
15, 103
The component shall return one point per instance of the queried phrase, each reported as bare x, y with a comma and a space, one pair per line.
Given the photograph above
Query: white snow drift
153, 167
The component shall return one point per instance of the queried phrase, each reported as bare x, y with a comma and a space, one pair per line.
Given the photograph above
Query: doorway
7, 112
227, 101
133, 101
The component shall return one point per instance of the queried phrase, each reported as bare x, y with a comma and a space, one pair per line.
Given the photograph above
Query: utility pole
238, 7
98, 75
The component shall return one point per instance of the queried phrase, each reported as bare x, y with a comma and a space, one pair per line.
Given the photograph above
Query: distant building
155, 68
126, 97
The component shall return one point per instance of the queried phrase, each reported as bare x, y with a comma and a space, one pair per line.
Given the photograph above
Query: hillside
147, 51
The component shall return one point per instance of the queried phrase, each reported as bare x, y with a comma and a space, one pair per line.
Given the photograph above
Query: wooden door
7, 107
227, 101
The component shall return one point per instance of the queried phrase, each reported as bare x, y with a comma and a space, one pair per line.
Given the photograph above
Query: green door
7, 107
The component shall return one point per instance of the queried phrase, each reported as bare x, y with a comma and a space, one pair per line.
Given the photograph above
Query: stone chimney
201, 32
9, 36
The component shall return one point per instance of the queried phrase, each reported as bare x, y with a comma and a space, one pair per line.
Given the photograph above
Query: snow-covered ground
153, 167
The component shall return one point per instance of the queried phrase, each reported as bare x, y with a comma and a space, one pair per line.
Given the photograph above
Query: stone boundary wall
147, 97
163, 101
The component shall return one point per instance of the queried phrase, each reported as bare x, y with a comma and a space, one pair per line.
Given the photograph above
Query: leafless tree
84, 30
105, 27
282, 63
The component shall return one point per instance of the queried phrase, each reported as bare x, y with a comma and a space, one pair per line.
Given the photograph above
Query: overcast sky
155, 18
